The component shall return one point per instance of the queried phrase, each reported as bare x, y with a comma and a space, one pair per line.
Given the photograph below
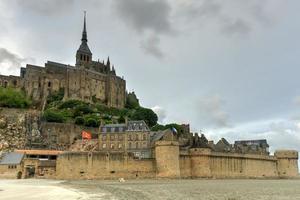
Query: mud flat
151, 189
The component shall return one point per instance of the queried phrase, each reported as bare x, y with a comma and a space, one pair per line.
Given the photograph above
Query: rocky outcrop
14, 128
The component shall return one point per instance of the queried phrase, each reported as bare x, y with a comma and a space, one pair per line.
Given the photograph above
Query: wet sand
151, 189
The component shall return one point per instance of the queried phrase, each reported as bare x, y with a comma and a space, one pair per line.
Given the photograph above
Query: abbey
88, 80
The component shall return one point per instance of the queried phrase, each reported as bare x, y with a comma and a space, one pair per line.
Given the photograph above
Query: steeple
84, 54
84, 34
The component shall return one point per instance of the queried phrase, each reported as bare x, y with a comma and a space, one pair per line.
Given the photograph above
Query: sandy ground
151, 189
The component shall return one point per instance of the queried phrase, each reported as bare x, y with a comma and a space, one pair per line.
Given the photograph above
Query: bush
84, 109
13, 98
145, 114
91, 122
56, 96
79, 120
53, 116
70, 104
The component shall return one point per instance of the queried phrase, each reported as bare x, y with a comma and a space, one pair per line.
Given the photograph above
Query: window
112, 146
112, 137
88, 58
104, 130
130, 137
120, 137
49, 84
120, 146
104, 137
112, 129
104, 146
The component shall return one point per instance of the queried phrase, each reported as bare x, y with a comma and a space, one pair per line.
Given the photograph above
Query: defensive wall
167, 162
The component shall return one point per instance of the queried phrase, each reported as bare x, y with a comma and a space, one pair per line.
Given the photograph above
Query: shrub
13, 98
91, 122
70, 104
53, 116
79, 120
56, 96
84, 108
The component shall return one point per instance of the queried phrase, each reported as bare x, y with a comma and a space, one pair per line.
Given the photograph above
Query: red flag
86, 135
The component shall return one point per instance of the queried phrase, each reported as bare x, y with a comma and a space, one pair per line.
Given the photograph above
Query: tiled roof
12, 158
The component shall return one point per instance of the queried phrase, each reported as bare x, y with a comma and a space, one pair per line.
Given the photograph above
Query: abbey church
88, 80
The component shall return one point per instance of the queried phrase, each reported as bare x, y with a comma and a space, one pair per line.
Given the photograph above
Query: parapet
166, 143
200, 151
286, 154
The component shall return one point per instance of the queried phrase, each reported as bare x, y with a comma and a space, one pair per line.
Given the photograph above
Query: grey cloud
45, 7
210, 112
13, 61
144, 15
151, 46
236, 27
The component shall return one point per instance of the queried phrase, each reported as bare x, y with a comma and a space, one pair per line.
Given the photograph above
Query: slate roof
12, 158
120, 128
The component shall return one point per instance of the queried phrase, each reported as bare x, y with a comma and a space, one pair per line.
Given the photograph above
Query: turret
287, 163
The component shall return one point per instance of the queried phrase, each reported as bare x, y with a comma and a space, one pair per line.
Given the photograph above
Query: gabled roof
130, 126
12, 158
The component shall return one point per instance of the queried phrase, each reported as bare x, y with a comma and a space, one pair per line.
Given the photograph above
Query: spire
84, 34
108, 62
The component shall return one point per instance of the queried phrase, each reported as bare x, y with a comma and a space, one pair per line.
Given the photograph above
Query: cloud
45, 7
210, 112
232, 17
236, 27
151, 47
10, 60
160, 112
145, 15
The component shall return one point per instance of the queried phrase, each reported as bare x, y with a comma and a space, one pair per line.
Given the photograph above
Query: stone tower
167, 159
83, 54
287, 163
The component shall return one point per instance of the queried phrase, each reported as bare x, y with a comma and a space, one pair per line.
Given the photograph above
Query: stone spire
84, 34
84, 54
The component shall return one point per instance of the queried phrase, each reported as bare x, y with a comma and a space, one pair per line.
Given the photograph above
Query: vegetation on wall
12, 98
91, 114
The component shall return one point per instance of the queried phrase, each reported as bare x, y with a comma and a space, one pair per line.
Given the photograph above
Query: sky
228, 68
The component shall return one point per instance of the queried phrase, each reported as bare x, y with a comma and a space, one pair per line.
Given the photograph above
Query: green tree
145, 114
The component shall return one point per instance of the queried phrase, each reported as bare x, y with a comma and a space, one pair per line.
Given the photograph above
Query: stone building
88, 80
131, 137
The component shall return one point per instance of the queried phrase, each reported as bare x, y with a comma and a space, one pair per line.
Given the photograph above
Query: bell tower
83, 54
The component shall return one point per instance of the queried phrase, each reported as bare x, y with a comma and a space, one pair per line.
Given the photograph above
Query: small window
120, 146
112, 146
103, 137
49, 84
112, 137
104, 146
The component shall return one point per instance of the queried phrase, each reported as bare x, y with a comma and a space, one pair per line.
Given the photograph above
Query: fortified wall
168, 162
